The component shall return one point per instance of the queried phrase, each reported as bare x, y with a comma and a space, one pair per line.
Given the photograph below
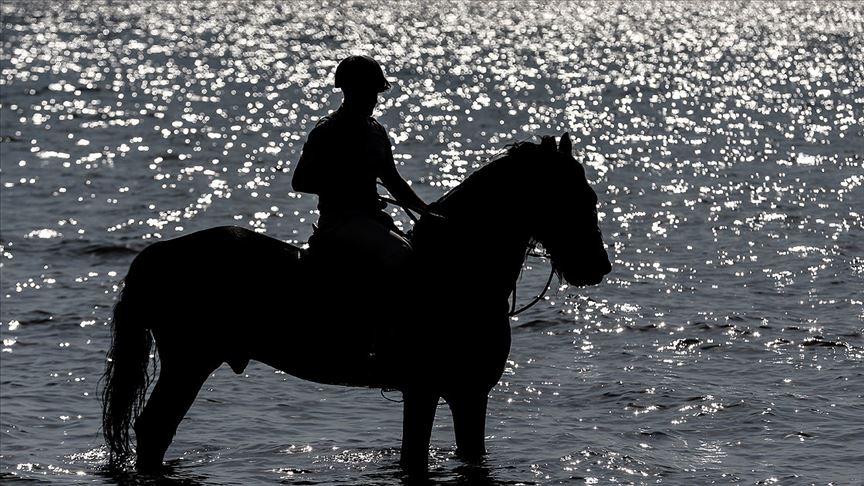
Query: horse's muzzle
590, 272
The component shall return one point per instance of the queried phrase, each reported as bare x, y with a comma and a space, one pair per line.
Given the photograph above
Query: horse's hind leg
469, 422
176, 389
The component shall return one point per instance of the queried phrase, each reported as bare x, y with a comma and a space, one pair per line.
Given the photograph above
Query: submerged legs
418, 416
176, 389
469, 420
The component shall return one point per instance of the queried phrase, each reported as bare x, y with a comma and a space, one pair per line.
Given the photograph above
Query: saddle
357, 246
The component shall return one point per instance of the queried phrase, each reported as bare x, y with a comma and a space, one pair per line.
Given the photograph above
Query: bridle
513, 311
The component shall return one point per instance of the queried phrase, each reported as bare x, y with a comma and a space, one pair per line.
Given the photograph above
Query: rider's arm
307, 177
399, 189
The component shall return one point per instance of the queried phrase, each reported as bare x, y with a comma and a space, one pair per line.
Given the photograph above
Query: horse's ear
565, 146
547, 143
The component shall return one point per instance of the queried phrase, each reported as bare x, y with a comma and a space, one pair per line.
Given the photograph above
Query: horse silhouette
439, 328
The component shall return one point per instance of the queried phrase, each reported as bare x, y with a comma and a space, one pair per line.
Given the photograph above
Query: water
723, 139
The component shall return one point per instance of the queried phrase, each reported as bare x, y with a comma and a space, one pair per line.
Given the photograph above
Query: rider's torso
350, 155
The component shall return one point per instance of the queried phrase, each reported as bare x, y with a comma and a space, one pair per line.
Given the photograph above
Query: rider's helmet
361, 72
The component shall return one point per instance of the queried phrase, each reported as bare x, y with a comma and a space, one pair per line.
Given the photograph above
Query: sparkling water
724, 141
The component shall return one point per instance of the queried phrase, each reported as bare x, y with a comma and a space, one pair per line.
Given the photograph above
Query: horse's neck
483, 233
500, 251
483, 262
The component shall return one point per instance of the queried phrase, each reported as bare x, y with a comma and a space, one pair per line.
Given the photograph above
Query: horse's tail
127, 375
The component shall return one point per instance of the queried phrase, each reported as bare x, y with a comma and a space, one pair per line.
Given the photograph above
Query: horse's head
542, 187
566, 224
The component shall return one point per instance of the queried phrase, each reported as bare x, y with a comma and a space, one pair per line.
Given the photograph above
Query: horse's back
219, 250
225, 264
220, 245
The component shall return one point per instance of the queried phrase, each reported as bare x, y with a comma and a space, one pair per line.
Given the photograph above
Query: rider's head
361, 79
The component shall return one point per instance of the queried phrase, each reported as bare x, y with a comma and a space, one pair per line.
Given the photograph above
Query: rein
426, 213
513, 312
405, 208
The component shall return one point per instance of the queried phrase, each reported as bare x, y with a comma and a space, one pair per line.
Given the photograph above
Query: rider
344, 156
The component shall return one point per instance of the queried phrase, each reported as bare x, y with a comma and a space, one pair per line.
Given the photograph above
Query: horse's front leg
469, 422
418, 416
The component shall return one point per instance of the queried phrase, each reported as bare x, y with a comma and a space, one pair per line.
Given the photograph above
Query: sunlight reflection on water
723, 140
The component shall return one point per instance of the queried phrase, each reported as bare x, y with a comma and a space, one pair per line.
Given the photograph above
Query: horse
439, 328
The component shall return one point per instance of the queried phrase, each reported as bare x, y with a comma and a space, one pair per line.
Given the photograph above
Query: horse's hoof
416, 465
150, 467
473, 456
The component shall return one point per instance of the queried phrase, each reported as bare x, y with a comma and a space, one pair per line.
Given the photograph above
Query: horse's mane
499, 166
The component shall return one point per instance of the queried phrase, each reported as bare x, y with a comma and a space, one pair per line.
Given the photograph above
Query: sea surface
724, 140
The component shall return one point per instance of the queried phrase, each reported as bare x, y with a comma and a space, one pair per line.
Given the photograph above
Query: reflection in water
461, 475
173, 474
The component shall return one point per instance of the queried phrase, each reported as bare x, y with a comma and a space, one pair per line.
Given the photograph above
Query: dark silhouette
344, 156
228, 294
